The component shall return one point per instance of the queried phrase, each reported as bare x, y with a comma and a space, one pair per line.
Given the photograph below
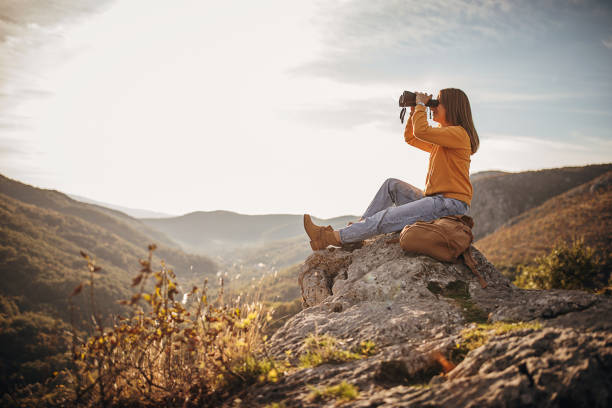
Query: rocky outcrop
417, 310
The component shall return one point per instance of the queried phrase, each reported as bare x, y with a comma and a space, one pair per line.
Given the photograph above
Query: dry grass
479, 335
193, 352
579, 213
322, 349
342, 392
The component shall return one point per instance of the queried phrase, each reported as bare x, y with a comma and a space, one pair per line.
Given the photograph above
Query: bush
193, 352
567, 266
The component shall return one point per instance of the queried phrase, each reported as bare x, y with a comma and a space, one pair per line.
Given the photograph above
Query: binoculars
409, 99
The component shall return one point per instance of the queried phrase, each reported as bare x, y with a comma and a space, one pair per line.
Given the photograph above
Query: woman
448, 190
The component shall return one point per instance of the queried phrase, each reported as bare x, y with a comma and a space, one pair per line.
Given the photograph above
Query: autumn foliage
189, 352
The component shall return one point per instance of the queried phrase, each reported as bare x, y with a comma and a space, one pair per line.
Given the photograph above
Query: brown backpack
446, 239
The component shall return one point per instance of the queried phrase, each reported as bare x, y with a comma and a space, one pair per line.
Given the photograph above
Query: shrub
193, 352
567, 266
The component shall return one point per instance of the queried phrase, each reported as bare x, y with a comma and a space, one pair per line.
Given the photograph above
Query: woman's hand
422, 97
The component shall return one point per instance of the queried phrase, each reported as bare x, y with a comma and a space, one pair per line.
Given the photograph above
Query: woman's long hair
458, 113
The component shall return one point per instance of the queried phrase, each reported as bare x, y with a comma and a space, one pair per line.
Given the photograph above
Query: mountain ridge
42, 232
584, 212
132, 212
203, 231
500, 197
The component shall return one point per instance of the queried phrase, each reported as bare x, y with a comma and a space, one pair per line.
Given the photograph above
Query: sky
288, 106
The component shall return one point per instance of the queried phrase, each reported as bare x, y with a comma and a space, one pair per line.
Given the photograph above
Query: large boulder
416, 310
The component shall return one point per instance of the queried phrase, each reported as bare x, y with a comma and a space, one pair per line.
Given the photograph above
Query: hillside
484, 174
112, 220
206, 232
41, 234
498, 197
584, 211
132, 212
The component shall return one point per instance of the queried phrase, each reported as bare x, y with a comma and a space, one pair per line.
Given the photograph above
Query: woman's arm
413, 141
454, 137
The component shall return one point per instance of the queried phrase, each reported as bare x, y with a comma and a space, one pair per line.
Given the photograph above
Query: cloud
15, 152
607, 42
367, 38
383, 41
526, 143
497, 96
9, 150
20, 157
346, 114
29, 32
521, 153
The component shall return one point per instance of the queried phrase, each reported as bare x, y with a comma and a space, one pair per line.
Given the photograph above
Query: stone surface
413, 307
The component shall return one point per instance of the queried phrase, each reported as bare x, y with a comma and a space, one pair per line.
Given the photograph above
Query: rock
415, 308
317, 276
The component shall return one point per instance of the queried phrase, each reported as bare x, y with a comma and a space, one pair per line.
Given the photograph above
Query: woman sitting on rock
448, 190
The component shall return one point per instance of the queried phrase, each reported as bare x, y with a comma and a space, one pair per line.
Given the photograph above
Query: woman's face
439, 113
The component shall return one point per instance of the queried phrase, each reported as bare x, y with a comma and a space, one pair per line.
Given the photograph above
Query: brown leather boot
320, 237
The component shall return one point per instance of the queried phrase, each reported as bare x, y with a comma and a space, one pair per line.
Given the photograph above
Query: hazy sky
288, 106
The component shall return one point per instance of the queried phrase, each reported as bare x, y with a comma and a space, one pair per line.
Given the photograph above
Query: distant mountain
278, 240
208, 232
484, 174
132, 212
583, 212
42, 232
114, 220
500, 196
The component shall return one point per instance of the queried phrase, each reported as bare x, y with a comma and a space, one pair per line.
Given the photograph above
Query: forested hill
500, 196
42, 232
210, 231
113, 220
584, 212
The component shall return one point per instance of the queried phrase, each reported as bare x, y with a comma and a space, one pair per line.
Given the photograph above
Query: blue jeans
396, 205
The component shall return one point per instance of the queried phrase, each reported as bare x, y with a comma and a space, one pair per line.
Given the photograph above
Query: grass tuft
275, 405
322, 349
482, 333
343, 391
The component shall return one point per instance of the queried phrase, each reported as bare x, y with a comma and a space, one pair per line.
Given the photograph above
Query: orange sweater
449, 160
